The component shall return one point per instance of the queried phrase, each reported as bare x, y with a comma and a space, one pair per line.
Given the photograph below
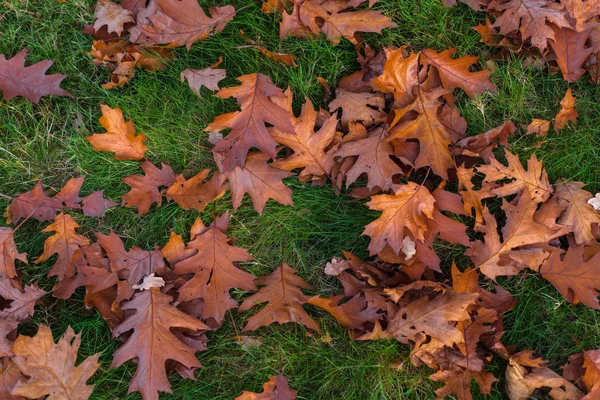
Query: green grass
42, 142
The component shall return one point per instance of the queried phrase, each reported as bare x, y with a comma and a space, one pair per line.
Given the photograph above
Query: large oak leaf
153, 341
579, 217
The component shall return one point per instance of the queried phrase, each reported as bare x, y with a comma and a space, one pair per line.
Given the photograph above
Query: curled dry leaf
539, 127
282, 290
149, 282
276, 388
50, 367
9, 253
120, 136
567, 111
29, 82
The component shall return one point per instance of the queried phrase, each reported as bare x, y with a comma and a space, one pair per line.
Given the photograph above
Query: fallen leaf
208, 77
120, 137
29, 82
111, 15
149, 188
9, 254
275, 389
50, 367
567, 111
194, 193
579, 216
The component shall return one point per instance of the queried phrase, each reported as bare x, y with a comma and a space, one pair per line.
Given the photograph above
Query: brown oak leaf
531, 18
525, 374
149, 188
9, 253
50, 367
282, 290
38, 205
276, 388
575, 277
410, 207
567, 111
153, 341
364, 107
194, 193
433, 318
373, 159
571, 51
579, 216
111, 15
538, 126
534, 180
120, 137
436, 126
178, 22
352, 314
455, 73
257, 96
400, 75
64, 243
29, 82
10, 376
335, 19
262, 181
521, 229
310, 147
458, 382
214, 271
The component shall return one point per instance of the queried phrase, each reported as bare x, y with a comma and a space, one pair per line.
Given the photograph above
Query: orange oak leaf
373, 159
64, 243
50, 367
488, 34
153, 341
352, 314
194, 193
258, 98
471, 197
538, 126
455, 73
534, 180
335, 19
567, 111
436, 126
282, 290
38, 205
575, 276
579, 216
178, 22
120, 137
260, 180
364, 107
310, 147
521, 229
276, 388
433, 318
584, 369
29, 82
531, 18
9, 254
410, 207
111, 15
400, 75
149, 188
214, 271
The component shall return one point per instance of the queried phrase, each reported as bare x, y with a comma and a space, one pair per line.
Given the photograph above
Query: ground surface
41, 141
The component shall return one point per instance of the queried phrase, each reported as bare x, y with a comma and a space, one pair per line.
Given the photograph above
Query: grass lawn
47, 141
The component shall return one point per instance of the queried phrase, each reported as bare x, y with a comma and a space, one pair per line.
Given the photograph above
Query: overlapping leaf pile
393, 133
561, 34
132, 34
